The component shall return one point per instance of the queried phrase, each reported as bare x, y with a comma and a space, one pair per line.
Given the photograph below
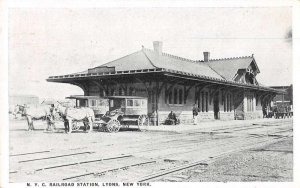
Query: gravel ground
272, 163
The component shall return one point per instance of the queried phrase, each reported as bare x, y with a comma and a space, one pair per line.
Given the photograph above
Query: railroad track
144, 157
176, 169
161, 173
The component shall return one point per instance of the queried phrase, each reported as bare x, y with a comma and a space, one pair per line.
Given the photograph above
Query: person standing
51, 118
195, 114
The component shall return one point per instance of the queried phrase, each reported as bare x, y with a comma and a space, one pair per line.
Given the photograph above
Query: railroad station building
223, 89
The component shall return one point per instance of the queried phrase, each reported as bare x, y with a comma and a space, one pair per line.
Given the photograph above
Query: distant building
285, 98
223, 89
23, 99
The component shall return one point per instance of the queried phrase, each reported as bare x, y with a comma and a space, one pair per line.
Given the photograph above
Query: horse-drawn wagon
124, 111
114, 112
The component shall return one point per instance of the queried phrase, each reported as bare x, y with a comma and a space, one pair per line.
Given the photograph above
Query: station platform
211, 125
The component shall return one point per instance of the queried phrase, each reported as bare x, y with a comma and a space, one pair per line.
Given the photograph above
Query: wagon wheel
113, 126
143, 120
75, 126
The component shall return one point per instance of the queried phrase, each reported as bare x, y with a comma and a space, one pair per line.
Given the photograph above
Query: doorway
216, 106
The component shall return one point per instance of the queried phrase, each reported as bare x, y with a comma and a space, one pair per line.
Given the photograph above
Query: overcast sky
46, 42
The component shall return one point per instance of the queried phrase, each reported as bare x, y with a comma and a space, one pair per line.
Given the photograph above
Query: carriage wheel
75, 126
143, 120
113, 126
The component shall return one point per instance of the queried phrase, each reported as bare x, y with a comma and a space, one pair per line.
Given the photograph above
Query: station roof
149, 61
228, 67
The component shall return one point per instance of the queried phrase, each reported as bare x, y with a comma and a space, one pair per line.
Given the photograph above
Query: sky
55, 41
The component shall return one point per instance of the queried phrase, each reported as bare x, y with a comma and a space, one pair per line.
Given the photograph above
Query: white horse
14, 110
35, 113
71, 114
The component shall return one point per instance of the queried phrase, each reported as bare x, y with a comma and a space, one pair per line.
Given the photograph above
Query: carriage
125, 111
114, 112
98, 104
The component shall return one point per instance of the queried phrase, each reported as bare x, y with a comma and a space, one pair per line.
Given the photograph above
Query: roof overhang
158, 71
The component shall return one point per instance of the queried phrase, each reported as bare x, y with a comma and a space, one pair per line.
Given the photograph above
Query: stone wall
205, 116
186, 117
253, 115
227, 115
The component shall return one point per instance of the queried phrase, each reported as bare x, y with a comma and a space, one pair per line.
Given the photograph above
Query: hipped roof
224, 69
149, 59
221, 70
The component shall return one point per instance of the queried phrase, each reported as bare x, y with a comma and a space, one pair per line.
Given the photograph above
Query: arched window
206, 101
170, 97
175, 96
228, 103
101, 92
112, 92
180, 93
202, 101
130, 91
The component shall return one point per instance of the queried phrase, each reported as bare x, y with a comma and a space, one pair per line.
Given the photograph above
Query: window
175, 96
83, 103
131, 91
228, 105
143, 103
120, 91
129, 102
122, 103
137, 103
206, 101
112, 92
101, 92
180, 96
93, 102
250, 103
170, 97
224, 103
202, 101
198, 101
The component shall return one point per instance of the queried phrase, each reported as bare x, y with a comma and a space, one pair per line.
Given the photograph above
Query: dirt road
131, 155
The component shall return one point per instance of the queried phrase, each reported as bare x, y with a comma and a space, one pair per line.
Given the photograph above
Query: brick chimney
206, 56
157, 46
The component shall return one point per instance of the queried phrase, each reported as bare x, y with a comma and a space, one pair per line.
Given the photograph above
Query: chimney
157, 46
206, 56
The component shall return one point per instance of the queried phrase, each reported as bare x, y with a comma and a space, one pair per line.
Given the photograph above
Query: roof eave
74, 77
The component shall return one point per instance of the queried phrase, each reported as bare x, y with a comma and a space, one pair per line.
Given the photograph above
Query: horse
14, 110
35, 113
70, 114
